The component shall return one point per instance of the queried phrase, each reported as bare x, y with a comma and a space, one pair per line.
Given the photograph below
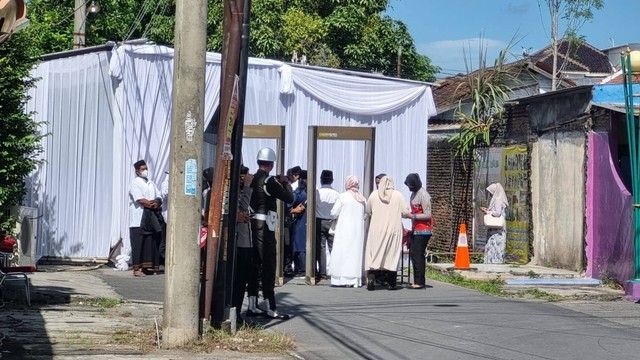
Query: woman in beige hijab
386, 208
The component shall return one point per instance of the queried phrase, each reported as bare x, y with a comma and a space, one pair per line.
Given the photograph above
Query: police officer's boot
272, 312
252, 309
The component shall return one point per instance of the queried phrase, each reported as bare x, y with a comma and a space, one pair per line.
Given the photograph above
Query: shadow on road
23, 331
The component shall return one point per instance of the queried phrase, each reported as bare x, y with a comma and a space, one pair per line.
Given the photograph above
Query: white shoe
275, 315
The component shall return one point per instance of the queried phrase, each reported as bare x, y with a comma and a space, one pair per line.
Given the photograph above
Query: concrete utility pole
79, 22
182, 273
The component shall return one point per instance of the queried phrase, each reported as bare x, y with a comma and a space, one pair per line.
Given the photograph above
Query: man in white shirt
326, 197
145, 238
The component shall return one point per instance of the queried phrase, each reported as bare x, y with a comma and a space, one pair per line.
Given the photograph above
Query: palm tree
488, 89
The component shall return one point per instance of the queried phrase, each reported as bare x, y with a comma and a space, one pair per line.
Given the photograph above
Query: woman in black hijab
422, 226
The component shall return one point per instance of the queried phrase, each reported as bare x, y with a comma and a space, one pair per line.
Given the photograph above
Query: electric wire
143, 9
135, 21
70, 15
155, 12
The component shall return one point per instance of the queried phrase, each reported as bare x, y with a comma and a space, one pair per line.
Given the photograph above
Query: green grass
142, 338
246, 339
101, 302
74, 338
492, 287
610, 282
532, 274
538, 294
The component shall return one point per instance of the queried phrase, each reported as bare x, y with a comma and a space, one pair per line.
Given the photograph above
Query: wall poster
516, 184
510, 167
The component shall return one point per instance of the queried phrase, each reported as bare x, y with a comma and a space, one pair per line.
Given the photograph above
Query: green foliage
489, 88
19, 134
51, 23
575, 14
336, 33
303, 32
266, 21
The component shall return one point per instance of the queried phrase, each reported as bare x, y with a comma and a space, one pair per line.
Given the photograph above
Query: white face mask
144, 174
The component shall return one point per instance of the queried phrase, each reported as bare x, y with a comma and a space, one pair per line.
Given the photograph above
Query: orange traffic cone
462, 251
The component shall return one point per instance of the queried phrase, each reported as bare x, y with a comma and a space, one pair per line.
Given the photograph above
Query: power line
70, 15
155, 12
138, 18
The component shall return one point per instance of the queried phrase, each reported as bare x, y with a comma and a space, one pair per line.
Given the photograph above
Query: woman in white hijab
348, 241
387, 207
497, 236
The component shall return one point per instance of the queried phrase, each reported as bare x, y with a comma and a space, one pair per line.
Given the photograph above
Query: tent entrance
317, 133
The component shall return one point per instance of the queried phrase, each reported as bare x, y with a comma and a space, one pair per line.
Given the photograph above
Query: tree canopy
574, 13
351, 34
19, 137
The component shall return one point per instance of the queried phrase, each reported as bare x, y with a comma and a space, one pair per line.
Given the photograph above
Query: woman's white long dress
346, 264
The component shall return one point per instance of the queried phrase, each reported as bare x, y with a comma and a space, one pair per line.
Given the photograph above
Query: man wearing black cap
326, 198
145, 240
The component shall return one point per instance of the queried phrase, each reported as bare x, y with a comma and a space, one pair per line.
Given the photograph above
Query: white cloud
518, 9
448, 54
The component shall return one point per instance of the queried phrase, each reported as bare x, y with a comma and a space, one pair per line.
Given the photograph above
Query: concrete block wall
558, 199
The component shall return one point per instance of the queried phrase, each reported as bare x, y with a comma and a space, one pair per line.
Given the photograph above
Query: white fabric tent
138, 98
72, 187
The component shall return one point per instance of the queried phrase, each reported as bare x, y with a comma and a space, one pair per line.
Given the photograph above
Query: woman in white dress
495, 249
348, 241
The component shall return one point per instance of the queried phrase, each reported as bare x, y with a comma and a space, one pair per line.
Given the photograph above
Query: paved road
442, 322
148, 288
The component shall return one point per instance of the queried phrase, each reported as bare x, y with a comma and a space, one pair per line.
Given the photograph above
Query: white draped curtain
72, 186
101, 125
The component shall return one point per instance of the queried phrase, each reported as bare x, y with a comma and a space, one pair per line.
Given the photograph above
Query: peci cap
326, 175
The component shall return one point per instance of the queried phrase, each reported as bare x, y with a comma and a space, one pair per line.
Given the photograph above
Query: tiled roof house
583, 65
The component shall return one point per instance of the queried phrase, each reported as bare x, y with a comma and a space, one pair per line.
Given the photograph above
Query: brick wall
514, 128
450, 185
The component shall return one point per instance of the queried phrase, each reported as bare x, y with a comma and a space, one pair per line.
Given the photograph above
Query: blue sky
441, 28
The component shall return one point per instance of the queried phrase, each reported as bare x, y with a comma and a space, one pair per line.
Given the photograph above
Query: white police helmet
266, 154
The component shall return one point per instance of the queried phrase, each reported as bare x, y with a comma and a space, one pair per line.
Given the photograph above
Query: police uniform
266, 189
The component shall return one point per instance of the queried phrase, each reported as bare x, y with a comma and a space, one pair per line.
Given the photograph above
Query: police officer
266, 189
